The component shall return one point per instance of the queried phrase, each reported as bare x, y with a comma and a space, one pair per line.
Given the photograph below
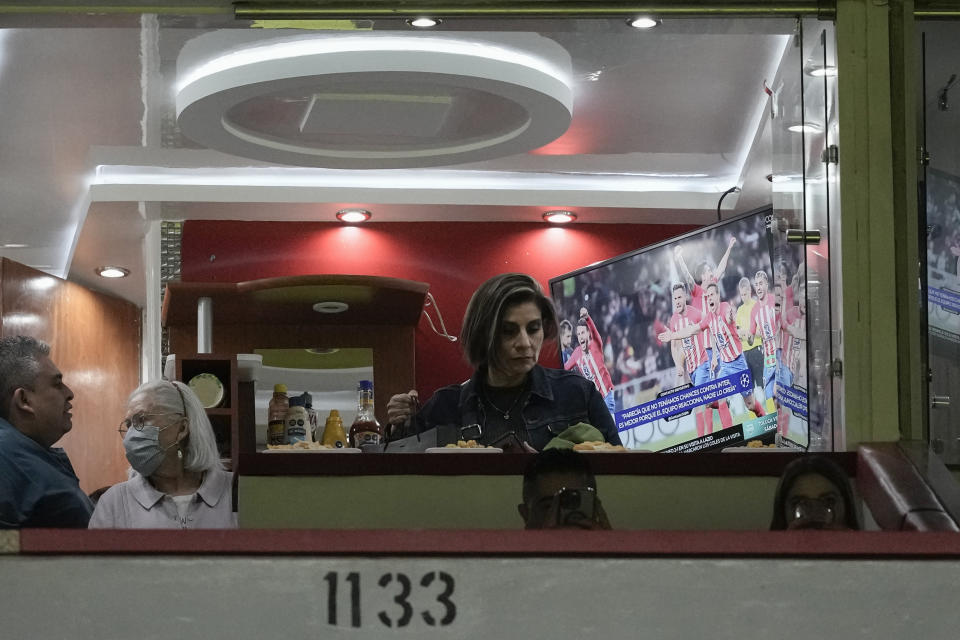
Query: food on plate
466, 444
756, 444
598, 445
299, 445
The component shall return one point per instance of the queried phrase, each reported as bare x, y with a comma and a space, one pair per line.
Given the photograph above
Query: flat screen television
696, 343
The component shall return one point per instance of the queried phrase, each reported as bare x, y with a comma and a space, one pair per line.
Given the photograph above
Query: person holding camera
560, 492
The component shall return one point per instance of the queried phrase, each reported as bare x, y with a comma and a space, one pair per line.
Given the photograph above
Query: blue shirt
38, 487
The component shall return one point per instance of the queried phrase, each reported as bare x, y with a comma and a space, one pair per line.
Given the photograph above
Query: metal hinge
803, 236
836, 368
924, 156
830, 155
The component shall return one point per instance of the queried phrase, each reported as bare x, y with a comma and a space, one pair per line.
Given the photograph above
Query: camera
575, 505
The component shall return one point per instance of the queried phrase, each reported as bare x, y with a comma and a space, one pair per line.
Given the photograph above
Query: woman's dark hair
822, 466
481, 321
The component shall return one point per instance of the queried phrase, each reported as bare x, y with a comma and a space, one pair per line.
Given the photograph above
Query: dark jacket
38, 487
557, 399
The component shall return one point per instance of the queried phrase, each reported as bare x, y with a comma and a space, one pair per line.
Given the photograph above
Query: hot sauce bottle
366, 433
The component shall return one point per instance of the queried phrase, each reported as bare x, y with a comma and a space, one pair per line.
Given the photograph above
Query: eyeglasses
141, 420
814, 509
138, 421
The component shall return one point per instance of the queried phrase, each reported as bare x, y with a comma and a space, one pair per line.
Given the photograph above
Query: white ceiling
664, 121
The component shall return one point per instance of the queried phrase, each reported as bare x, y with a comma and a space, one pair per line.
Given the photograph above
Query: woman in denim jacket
510, 399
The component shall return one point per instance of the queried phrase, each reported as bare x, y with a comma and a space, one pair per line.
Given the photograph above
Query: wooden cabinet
282, 313
225, 417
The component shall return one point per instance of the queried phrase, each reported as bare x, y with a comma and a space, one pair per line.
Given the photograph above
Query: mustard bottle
333, 433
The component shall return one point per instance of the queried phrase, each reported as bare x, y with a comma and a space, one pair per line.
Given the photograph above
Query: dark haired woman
509, 395
814, 493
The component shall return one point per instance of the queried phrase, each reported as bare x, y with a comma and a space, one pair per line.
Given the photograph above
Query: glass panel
787, 185
821, 199
804, 126
941, 99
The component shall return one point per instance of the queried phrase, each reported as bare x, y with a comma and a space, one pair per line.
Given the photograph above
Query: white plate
463, 450
344, 450
208, 389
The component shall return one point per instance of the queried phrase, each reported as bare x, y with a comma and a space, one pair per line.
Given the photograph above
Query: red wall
454, 258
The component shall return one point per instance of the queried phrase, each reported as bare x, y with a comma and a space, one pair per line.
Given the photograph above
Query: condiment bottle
366, 433
333, 434
298, 422
276, 413
315, 431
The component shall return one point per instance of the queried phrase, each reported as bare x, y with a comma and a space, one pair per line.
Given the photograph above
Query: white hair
201, 452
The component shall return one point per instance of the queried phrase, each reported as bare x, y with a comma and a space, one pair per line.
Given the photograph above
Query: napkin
580, 432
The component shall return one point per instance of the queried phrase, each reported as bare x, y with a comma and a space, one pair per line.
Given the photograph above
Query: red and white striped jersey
695, 346
793, 347
724, 332
764, 317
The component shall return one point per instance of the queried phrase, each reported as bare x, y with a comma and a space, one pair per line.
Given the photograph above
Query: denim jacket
557, 400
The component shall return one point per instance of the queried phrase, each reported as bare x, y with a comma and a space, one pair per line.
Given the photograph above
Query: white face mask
144, 452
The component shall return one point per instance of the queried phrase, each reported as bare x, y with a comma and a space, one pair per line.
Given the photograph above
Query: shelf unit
224, 418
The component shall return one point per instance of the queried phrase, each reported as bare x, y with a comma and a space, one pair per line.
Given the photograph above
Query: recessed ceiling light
804, 128
14, 245
423, 22
112, 272
331, 306
353, 215
642, 22
559, 217
820, 72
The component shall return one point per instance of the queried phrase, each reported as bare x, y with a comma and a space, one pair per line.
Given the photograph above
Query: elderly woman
510, 398
814, 493
178, 481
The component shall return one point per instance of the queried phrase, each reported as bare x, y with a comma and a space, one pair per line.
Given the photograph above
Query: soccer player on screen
792, 339
727, 356
765, 322
706, 273
588, 358
752, 350
694, 353
728, 350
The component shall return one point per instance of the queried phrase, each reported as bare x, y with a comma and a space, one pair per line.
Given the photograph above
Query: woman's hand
402, 407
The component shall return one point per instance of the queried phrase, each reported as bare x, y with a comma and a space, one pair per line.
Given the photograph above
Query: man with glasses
38, 486
560, 492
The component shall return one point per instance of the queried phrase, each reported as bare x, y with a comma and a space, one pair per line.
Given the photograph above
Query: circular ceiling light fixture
353, 216
423, 22
642, 22
330, 306
375, 101
559, 217
112, 272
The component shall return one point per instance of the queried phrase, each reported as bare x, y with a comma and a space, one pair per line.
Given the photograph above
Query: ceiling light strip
188, 8
436, 180
358, 9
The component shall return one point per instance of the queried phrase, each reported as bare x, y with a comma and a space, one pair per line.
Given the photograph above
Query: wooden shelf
289, 300
277, 313
224, 418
